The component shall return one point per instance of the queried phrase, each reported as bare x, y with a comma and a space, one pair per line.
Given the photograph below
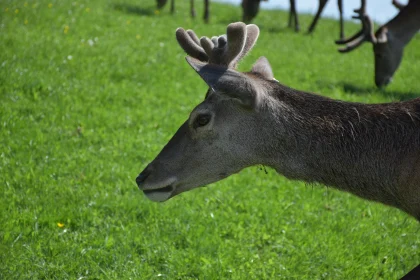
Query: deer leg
293, 14
289, 24
172, 6
321, 7
340, 9
192, 9
206, 11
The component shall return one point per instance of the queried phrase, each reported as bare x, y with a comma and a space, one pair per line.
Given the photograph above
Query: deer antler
366, 34
226, 50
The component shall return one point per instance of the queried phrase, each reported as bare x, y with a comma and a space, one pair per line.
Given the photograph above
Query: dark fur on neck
370, 150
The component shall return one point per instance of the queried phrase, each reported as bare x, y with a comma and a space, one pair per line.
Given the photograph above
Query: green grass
90, 91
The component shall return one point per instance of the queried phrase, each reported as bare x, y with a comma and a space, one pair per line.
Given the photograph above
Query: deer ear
226, 81
263, 67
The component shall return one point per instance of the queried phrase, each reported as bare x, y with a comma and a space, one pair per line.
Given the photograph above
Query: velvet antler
226, 50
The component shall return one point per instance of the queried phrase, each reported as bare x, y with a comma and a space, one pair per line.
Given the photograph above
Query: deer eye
202, 120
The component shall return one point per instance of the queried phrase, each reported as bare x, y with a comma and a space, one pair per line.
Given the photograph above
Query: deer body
246, 119
372, 151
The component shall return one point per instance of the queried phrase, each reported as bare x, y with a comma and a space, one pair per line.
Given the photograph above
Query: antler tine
226, 50
352, 38
252, 33
366, 34
208, 45
215, 42
190, 44
221, 41
222, 50
236, 39
362, 9
193, 36
353, 44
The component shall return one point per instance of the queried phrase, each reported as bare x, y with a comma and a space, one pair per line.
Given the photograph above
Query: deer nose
142, 177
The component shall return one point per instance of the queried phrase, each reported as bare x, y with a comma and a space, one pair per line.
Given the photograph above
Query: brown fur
371, 150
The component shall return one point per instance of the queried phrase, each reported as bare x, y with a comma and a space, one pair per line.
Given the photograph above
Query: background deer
370, 150
321, 7
388, 41
206, 15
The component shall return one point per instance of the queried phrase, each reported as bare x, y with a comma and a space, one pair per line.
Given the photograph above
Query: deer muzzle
155, 191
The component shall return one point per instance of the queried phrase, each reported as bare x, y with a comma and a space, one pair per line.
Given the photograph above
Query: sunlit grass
90, 91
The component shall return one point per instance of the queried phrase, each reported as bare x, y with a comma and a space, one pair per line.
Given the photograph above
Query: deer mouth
161, 194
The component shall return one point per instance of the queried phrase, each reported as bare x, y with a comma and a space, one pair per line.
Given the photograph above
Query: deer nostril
142, 177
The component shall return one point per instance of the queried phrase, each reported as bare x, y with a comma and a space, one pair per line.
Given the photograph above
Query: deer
206, 15
250, 10
250, 118
388, 41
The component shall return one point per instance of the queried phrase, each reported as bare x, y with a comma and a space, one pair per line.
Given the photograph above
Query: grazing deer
370, 150
388, 41
162, 3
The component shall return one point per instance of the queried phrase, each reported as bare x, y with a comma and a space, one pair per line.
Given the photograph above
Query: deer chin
160, 195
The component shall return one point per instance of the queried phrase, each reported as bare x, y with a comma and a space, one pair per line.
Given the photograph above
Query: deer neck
350, 146
405, 24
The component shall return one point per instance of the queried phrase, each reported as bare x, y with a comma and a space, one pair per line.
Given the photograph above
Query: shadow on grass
364, 90
268, 28
282, 29
226, 21
353, 89
131, 9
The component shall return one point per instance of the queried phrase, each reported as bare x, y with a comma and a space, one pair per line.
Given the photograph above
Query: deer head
387, 48
213, 143
388, 52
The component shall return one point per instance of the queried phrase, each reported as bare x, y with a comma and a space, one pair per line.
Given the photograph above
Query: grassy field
90, 91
